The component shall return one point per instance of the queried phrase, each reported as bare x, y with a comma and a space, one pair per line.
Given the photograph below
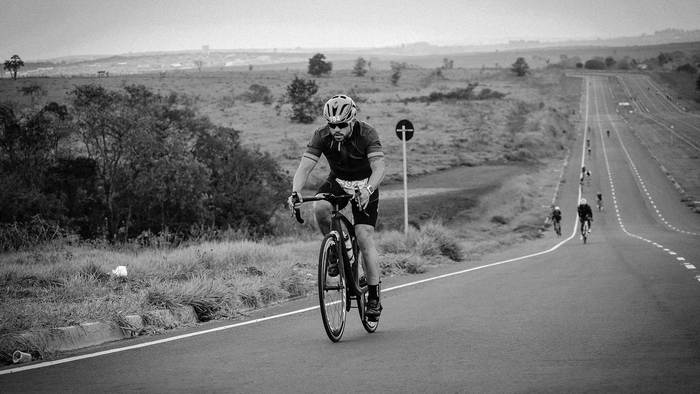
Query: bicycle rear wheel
332, 290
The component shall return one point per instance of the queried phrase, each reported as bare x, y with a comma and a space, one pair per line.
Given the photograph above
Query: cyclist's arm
306, 165
378, 171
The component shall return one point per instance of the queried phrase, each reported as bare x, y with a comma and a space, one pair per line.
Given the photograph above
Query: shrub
258, 93
301, 94
688, 68
318, 66
595, 64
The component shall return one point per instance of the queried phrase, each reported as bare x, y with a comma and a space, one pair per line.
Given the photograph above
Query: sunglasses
338, 125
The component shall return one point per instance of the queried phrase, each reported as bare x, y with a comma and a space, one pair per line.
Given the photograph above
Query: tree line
116, 164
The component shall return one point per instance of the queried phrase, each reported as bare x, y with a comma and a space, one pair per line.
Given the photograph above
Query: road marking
254, 321
641, 182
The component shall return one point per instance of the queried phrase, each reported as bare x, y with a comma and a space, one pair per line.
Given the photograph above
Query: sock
373, 291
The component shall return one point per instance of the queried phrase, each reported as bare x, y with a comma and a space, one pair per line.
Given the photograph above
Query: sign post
404, 130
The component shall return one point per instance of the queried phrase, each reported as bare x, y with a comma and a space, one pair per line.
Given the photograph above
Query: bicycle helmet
339, 109
583, 201
557, 208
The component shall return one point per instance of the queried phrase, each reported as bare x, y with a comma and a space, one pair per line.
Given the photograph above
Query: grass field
480, 172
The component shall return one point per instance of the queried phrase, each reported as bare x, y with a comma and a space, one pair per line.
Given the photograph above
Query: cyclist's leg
322, 209
365, 239
364, 229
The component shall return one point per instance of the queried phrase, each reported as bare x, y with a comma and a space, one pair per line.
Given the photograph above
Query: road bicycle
557, 227
585, 230
336, 292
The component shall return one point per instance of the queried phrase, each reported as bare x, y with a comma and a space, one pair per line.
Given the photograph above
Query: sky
48, 29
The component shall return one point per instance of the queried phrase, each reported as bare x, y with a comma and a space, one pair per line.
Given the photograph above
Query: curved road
620, 314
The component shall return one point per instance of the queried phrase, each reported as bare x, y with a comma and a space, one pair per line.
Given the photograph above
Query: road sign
404, 130
404, 127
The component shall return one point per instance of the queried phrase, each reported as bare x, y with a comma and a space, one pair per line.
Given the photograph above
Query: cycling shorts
371, 210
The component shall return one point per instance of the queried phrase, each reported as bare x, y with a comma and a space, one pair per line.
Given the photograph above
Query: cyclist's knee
322, 211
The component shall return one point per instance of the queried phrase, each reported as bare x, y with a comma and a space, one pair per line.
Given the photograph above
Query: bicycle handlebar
330, 197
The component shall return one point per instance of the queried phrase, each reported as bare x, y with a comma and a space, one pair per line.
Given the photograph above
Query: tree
609, 61
689, 68
396, 69
29, 146
360, 68
199, 63
245, 186
595, 64
318, 66
448, 64
520, 67
34, 91
664, 58
13, 65
300, 93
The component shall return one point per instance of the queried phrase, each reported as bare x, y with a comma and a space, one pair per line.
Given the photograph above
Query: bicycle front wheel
332, 290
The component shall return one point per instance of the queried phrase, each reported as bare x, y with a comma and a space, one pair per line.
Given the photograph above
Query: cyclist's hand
364, 197
294, 201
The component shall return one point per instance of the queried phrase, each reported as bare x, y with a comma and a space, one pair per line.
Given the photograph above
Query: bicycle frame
337, 220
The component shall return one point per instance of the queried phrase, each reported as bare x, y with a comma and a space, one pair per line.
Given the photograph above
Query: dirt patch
447, 195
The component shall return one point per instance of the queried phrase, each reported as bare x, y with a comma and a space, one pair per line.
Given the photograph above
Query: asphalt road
619, 314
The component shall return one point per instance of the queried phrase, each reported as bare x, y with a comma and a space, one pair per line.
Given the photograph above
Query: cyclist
585, 214
608, 133
583, 175
356, 159
555, 217
599, 199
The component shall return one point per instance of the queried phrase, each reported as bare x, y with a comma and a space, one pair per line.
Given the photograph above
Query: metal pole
405, 186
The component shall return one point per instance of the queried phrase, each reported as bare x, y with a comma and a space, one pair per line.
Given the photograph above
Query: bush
318, 66
301, 94
688, 68
258, 93
595, 64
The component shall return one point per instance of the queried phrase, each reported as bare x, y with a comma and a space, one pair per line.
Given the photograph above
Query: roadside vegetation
240, 250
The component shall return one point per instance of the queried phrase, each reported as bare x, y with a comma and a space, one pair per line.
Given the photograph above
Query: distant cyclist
585, 214
599, 200
555, 217
608, 133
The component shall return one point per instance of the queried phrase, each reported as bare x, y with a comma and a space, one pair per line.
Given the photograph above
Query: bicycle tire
584, 232
369, 325
332, 291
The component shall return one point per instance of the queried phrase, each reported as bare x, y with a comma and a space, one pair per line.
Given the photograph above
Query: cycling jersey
556, 215
348, 159
585, 211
